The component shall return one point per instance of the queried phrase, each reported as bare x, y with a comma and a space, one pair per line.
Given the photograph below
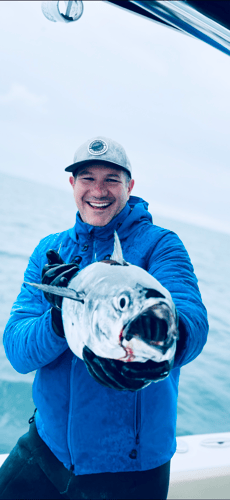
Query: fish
107, 304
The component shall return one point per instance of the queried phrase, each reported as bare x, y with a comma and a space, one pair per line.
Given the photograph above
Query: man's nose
100, 189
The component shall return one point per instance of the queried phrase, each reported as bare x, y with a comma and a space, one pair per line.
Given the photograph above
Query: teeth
99, 205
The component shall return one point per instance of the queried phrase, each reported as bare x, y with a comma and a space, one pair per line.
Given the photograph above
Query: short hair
127, 176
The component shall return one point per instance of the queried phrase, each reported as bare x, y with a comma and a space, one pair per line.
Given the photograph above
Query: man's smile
99, 205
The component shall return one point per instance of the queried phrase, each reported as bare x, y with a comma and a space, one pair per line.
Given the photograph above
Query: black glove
131, 376
57, 273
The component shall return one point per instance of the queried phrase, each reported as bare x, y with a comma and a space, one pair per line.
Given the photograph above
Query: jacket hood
135, 210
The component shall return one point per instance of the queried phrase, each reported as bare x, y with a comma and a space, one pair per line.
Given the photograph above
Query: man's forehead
115, 172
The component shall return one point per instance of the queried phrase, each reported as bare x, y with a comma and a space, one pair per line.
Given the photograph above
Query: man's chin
99, 218
98, 221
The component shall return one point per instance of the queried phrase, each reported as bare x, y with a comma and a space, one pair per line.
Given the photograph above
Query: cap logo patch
97, 147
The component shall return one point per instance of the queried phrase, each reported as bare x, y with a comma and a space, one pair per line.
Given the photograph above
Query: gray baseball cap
101, 150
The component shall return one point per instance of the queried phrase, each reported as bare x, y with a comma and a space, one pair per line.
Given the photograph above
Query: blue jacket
86, 425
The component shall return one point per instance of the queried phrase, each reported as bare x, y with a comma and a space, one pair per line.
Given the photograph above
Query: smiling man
99, 431
100, 193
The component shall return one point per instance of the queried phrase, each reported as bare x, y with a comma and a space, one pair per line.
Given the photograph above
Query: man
95, 434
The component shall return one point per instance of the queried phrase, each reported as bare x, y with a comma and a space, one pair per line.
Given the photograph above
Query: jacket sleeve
170, 264
29, 339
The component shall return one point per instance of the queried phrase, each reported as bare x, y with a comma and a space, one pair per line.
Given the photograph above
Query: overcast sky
163, 95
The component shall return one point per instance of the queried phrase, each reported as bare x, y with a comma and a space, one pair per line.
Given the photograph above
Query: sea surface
29, 212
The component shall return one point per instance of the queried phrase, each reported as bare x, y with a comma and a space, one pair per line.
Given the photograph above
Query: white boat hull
200, 469
3, 458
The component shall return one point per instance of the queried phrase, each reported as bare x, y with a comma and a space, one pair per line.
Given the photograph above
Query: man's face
100, 193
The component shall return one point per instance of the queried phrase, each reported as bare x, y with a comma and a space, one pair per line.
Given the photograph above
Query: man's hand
57, 273
131, 376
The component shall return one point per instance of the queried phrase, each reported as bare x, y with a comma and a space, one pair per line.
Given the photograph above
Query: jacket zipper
94, 256
137, 417
74, 360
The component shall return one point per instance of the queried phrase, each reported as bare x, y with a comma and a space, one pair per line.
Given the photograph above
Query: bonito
105, 304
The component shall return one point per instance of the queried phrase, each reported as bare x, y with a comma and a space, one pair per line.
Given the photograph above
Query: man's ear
130, 187
72, 180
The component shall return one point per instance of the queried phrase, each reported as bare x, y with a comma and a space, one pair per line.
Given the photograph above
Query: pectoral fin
69, 293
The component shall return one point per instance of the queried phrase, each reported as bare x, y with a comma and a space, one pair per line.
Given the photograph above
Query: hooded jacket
88, 427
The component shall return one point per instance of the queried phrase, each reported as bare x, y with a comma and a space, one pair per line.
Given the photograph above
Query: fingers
46, 268
54, 257
124, 376
54, 272
113, 370
57, 273
108, 372
147, 370
63, 282
150, 370
96, 371
62, 279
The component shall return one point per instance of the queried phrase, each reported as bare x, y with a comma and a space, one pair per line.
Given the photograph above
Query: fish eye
123, 302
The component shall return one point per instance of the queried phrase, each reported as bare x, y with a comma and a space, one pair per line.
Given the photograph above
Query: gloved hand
57, 273
131, 376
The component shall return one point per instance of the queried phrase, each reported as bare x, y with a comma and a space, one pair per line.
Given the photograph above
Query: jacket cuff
184, 329
57, 322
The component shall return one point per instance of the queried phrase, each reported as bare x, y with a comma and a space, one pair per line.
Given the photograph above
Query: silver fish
103, 305
116, 295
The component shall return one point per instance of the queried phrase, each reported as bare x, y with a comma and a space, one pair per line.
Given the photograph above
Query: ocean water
29, 212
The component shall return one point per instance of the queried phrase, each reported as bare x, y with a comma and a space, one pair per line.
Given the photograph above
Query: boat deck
200, 468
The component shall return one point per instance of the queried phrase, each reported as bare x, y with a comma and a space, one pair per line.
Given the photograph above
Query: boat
200, 468
206, 20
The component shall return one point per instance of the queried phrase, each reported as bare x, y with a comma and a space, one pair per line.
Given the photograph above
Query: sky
162, 94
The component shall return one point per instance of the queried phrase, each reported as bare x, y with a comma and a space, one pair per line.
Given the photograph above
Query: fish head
121, 301
128, 306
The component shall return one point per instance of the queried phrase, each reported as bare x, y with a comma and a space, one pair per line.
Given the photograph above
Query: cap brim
75, 166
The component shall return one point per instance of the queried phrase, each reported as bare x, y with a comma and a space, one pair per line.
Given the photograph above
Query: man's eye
87, 178
111, 180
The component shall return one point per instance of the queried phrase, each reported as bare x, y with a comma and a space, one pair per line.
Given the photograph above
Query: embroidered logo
97, 147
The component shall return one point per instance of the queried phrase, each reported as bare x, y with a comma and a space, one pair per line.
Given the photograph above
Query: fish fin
117, 254
69, 293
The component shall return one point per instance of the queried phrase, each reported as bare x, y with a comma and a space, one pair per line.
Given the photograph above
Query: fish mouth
99, 206
150, 328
